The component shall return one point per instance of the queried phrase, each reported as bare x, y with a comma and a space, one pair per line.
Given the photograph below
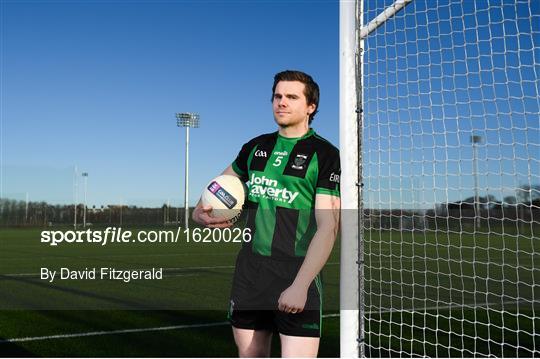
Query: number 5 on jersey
277, 161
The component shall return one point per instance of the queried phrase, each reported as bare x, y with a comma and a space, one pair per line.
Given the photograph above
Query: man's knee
253, 352
252, 343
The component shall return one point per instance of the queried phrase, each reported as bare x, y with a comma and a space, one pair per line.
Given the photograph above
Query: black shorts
257, 284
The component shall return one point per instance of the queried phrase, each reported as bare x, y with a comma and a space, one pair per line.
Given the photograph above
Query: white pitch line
166, 269
124, 331
124, 256
216, 324
110, 332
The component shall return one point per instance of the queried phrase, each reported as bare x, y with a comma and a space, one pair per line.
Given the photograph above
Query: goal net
451, 179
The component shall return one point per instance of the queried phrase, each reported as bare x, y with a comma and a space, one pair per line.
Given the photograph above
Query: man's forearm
318, 252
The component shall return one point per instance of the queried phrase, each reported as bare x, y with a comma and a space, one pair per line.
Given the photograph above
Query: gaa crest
299, 162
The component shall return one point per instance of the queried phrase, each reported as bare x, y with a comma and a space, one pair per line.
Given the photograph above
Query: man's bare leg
299, 347
252, 343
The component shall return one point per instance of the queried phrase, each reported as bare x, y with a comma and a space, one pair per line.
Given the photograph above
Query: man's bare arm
229, 171
327, 210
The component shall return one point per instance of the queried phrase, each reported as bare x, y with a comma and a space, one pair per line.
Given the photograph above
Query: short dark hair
311, 90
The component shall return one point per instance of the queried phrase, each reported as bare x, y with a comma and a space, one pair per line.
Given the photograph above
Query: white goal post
440, 149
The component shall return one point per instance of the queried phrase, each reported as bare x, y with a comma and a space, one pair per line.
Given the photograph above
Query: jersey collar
310, 133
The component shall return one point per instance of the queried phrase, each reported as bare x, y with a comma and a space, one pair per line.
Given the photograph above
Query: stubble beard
288, 123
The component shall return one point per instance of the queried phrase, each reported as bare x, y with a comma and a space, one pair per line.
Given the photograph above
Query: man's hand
202, 216
293, 299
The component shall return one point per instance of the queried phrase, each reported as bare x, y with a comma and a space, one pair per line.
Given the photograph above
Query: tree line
524, 207
22, 213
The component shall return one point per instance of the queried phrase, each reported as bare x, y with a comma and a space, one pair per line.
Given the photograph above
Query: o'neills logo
268, 188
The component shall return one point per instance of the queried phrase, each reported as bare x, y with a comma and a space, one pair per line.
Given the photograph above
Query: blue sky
435, 76
96, 84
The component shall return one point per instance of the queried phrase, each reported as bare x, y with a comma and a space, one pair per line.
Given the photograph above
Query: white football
226, 194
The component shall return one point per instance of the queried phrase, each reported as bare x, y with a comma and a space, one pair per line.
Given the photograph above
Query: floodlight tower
187, 120
75, 196
474, 140
85, 175
26, 210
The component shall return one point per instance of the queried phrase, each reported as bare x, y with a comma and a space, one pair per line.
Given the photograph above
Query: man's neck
294, 131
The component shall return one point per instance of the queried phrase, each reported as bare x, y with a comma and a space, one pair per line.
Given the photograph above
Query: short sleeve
240, 164
329, 173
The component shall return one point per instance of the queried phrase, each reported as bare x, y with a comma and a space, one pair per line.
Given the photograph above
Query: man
293, 210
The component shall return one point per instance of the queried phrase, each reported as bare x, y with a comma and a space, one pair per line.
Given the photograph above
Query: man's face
290, 104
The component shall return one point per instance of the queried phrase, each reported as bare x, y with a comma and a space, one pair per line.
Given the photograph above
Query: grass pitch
182, 315
452, 293
426, 294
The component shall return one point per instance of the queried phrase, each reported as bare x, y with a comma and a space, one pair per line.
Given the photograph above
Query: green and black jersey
283, 177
